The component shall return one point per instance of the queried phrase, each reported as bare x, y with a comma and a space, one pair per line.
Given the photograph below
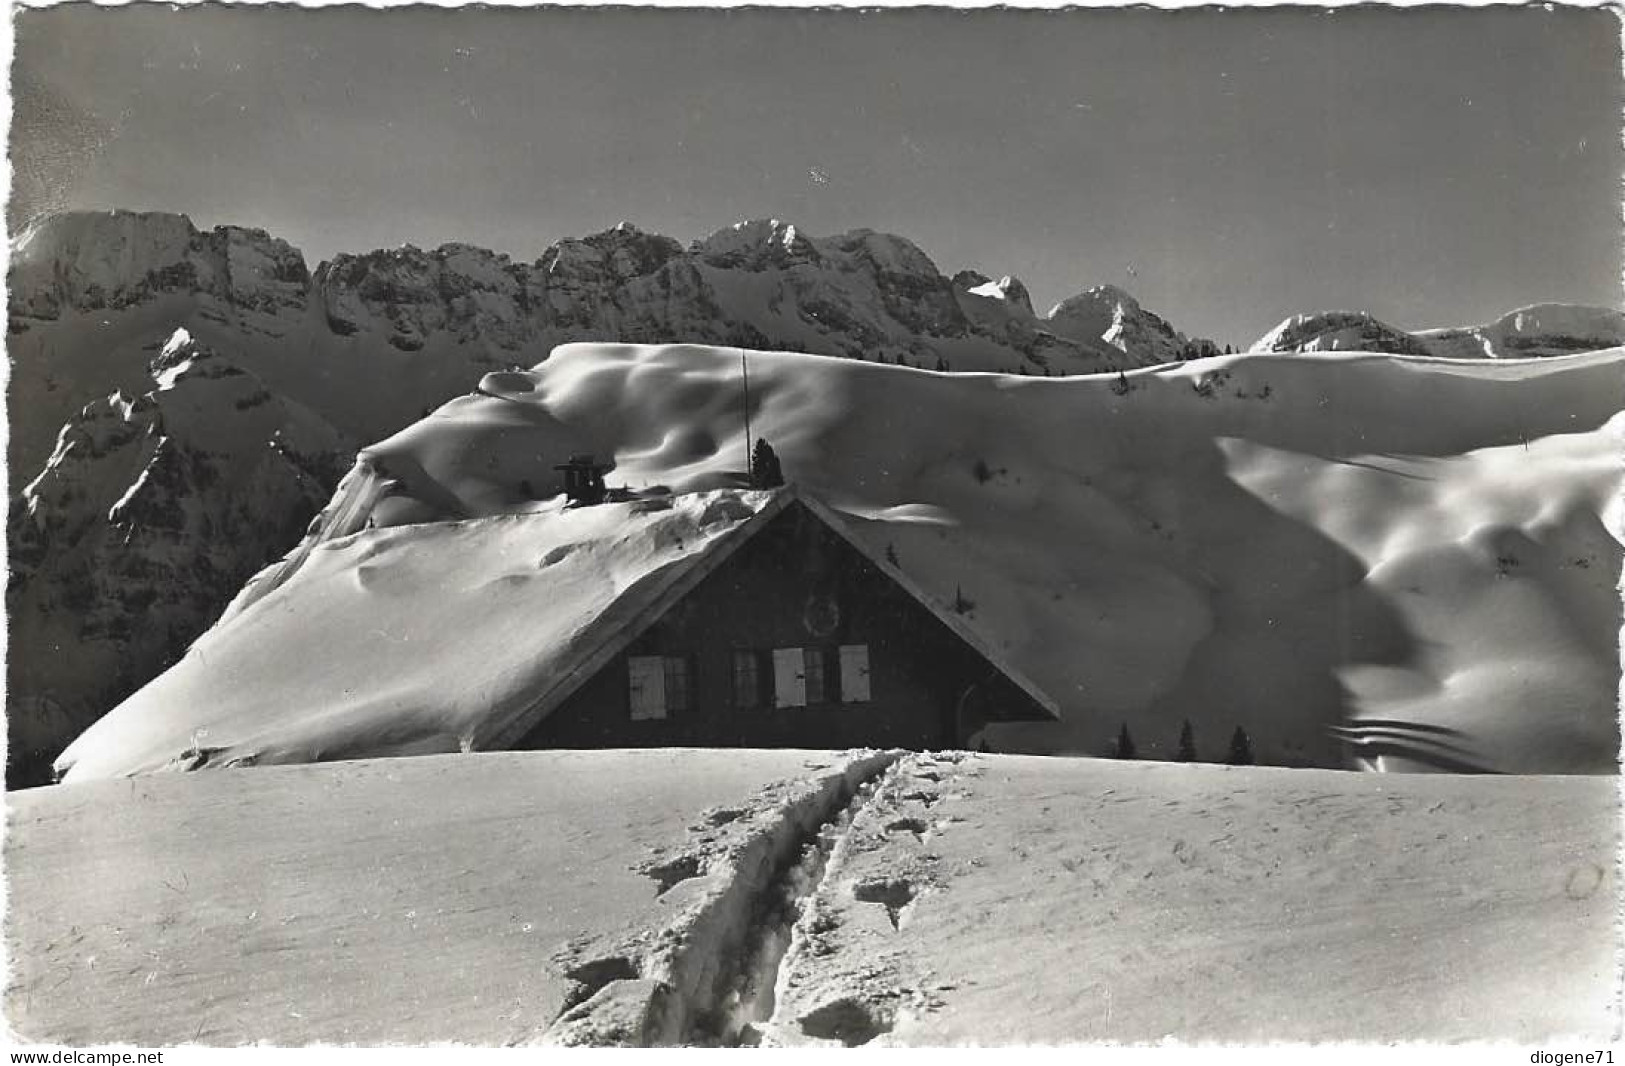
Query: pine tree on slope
1187, 743
1241, 749
765, 471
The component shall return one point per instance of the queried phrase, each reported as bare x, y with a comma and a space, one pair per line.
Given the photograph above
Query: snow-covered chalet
787, 631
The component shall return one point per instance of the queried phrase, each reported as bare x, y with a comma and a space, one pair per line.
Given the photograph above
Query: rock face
1530, 332
151, 511
108, 261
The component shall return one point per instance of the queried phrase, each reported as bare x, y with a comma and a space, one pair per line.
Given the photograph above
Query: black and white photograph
813, 528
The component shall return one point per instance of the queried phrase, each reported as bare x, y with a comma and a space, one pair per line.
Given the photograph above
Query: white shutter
647, 675
789, 677
854, 673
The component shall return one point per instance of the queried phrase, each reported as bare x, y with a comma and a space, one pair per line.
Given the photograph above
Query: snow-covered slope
1006, 900
152, 510
1419, 553
462, 898
1540, 330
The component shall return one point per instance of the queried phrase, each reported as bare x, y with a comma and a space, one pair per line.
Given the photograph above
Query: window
658, 684
679, 683
817, 667
647, 686
747, 677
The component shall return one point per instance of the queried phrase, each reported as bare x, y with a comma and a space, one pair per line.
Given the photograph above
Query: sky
1435, 167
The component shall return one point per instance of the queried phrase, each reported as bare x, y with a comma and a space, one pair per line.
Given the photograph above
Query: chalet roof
679, 579
444, 636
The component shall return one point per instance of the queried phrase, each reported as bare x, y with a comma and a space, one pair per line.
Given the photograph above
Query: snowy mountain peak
1108, 313
96, 260
757, 244
1338, 331
1008, 290
1529, 332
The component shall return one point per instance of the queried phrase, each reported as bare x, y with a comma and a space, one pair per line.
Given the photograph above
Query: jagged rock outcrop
151, 512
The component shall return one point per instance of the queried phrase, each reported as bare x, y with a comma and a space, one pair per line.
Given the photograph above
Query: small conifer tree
1187, 743
1125, 743
1241, 748
765, 471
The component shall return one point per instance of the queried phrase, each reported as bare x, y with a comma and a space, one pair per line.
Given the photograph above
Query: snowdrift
1395, 562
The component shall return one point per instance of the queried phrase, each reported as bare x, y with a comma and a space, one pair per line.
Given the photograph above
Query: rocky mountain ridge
1537, 331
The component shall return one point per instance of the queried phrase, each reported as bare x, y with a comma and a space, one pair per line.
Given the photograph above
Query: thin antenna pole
744, 373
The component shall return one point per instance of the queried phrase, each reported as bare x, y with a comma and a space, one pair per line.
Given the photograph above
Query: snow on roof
443, 636
427, 637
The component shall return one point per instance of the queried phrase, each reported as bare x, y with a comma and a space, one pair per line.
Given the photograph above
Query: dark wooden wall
757, 599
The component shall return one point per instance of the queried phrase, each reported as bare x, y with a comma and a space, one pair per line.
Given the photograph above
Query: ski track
689, 981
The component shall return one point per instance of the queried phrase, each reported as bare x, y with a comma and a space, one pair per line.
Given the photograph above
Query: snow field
641, 897
1004, 899
461, 898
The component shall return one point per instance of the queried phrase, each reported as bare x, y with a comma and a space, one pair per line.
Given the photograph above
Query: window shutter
854, 673
647, 678
789, 677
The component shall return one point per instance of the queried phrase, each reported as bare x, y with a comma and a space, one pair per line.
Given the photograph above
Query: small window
817, 675
657, 685
679, 683
646, 677
747, 677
